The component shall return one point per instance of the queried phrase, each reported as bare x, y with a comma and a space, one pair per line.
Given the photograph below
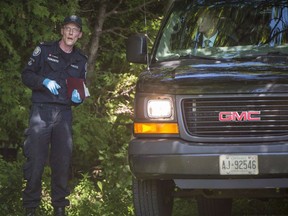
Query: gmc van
211, 110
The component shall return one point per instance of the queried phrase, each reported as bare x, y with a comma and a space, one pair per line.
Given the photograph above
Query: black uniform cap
73, 19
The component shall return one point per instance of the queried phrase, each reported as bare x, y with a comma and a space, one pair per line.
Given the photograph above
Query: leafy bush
10, 187
100, 173
12, 184
86, 198
95, 199
100, 148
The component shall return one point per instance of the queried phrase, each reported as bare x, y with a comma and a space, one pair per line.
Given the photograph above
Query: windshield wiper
276, 53
269, 57
190, 56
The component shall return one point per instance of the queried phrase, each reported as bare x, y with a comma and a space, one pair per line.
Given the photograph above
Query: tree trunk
169, 2
94, 46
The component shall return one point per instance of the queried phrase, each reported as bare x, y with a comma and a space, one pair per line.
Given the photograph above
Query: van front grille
236, 116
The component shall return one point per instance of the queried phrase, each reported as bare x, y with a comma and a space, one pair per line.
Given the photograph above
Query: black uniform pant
49, 124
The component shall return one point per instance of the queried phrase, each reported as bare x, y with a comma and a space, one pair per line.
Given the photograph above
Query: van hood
183, 77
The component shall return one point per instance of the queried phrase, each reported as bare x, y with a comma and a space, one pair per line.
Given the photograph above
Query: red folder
75, 83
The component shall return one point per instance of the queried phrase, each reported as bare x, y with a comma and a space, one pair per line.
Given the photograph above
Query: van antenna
146, 35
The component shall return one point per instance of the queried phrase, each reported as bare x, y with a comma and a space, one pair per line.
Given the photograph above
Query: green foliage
12, 184
185, 207
86, 198
102, 125
12, 100
104, 120
10, 187
90, 199
103, 147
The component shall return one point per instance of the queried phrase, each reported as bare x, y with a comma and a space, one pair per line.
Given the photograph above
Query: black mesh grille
201, 116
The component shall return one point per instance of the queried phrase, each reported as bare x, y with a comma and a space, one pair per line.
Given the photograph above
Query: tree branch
139, 7
113, 31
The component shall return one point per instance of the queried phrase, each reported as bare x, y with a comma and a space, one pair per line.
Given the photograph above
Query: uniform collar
74, 54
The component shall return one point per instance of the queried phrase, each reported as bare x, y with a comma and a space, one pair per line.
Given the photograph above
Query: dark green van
211, 110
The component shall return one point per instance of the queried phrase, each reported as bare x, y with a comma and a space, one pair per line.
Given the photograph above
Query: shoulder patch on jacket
37, 51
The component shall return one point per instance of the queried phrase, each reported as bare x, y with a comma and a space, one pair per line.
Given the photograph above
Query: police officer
50, 124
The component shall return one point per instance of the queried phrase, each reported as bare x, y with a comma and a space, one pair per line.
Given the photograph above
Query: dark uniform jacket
47, 61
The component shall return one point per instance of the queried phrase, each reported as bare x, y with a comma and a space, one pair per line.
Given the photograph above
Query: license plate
238, 165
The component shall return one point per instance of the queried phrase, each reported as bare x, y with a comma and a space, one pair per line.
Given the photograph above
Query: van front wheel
153, 197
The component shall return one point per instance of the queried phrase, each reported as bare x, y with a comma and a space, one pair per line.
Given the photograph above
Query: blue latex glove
76, 96
52, 86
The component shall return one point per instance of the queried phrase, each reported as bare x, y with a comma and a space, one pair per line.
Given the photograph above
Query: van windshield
211, 29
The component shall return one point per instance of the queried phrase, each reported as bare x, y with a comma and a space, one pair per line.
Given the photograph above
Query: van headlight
158, 117
160, 108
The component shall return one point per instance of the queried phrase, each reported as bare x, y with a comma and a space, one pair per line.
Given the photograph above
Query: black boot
59, 211
30, 212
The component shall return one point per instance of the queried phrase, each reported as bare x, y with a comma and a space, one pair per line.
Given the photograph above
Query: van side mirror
136, 49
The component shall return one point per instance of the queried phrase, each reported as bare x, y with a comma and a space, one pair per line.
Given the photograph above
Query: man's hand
52, 85
76, 96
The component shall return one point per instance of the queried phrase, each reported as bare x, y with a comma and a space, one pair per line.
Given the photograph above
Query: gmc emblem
243, 116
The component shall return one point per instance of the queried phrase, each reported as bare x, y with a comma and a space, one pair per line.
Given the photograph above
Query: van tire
153, 197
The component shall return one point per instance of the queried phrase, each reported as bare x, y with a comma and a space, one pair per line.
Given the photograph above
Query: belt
56, 105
